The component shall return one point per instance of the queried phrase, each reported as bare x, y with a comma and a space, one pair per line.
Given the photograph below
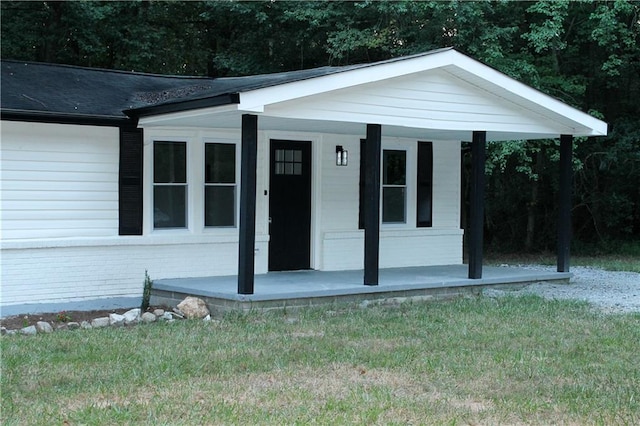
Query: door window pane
288, 162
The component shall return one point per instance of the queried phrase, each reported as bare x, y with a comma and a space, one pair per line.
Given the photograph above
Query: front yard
469, 361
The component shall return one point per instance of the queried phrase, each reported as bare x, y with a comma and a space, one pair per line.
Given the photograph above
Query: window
220, 184
169, 184
424, 185
288, 162
394, 186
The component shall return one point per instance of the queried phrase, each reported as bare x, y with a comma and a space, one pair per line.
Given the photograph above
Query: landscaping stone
29, 331
148, 317
100, 322
132, 316
116, 320
43, 327
193, 307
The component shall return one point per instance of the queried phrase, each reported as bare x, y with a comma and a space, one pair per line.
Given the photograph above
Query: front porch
283, 290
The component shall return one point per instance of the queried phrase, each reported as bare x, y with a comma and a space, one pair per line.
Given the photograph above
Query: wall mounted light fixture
342, 156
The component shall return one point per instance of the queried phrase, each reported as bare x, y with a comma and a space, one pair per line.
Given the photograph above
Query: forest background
585, 53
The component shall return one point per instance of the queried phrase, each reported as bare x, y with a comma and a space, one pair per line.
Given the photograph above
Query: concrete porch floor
278, 290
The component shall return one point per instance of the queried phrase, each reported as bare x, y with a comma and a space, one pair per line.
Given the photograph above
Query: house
108, 174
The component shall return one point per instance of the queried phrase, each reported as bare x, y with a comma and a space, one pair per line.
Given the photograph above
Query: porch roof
441, 94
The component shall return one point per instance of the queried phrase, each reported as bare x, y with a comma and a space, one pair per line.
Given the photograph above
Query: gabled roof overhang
442, 94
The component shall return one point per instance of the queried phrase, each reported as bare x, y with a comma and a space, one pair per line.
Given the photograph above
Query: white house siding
73, 270
434, 99
342, 244
44, 262
446, 186
59, 181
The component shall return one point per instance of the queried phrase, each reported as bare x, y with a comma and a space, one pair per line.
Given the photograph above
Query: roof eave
64, 118
185, 105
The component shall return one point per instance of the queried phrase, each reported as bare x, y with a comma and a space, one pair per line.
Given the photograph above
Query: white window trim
195, 141
148, 201
202, 184
410, 148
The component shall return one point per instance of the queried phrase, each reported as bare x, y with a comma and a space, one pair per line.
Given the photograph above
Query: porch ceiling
233, 120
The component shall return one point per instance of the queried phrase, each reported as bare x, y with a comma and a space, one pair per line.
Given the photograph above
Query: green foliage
146, 292
63, 316
586, 53
547, 33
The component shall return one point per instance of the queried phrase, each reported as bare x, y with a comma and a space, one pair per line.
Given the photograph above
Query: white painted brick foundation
70, 271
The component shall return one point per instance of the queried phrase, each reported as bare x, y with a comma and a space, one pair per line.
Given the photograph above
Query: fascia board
155, 120
469, 65
256, 100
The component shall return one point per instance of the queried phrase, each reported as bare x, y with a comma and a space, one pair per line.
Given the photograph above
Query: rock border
130, 318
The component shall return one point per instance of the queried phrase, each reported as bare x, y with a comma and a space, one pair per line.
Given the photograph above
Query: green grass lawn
469, 361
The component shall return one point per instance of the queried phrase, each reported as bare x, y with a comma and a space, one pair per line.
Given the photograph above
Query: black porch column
564, 204
247, 229
373, 149
476, 220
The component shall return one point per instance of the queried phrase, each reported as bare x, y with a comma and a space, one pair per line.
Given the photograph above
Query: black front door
290, 206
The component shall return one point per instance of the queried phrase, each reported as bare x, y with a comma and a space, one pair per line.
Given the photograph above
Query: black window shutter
361, 185
130, 182
424, 214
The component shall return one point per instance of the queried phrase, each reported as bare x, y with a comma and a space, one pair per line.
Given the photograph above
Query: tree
586, 53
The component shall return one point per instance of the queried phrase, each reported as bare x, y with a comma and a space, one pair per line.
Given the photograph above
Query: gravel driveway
610, 291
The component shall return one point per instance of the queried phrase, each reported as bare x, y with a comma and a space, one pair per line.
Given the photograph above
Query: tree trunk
532, 206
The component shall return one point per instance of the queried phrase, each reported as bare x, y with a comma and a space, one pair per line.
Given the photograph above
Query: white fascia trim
161, 119
474, 67
255, 100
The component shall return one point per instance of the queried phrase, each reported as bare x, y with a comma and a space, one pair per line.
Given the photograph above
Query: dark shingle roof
71, 91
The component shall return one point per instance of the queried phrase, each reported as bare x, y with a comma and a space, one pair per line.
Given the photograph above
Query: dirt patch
57, 319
